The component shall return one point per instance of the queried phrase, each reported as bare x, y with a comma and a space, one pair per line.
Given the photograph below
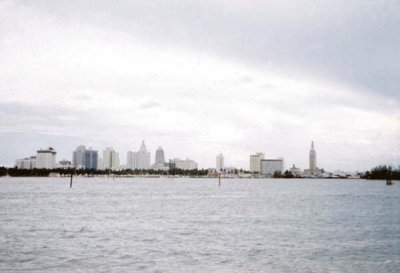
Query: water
192, 225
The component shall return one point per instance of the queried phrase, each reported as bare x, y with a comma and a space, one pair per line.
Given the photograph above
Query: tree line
383, 172
92, 172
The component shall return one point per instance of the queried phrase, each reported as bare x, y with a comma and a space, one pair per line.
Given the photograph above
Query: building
110, 159
23, 163
91, 159
295, 171
139, 160
220, 163
65, 164
255, 162
313, 159
270, 166
159, 163
78, 157
160, 156
83, 158
186, 164
46, 158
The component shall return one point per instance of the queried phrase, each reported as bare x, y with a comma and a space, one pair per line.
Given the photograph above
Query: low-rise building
270, 166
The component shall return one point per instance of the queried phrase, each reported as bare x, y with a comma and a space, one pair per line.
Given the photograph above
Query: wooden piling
70, 183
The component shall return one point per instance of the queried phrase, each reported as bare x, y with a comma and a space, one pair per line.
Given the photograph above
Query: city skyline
235, 77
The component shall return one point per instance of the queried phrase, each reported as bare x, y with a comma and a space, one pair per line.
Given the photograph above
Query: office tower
78, 157
313, 159
159, 163
46, 158
255, 162
160, 156
220, 163
141, 159
91, 159
110, 159
270, 166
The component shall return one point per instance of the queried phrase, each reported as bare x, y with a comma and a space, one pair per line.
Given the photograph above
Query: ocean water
192, 225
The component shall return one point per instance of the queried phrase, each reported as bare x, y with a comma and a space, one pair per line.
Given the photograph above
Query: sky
201, 78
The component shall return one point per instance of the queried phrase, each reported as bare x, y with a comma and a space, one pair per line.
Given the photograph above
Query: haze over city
201, 78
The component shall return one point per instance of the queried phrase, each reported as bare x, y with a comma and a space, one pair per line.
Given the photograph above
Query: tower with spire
139, 160
313, 159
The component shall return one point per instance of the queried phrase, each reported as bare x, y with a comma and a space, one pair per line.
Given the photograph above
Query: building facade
270, 166
220, 163
139, 160
110, 159
255, 162
313, 159
78, 157
91, 159
46, 158
185, 164
159, 163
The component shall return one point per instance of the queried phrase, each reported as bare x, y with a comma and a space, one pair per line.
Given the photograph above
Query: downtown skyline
201, 78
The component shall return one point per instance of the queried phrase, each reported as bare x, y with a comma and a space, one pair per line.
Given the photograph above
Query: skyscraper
110, 159
140, 159
78, 157
160, 156
313, 159
255, 162
91, 159
220, 163
83, 158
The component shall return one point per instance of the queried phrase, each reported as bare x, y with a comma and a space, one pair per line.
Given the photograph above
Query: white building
295, 171
23, 163
313, 159
270, 166
78, 157
110, 159
46, 158
186, 164
220, 163
139, 160
255, 162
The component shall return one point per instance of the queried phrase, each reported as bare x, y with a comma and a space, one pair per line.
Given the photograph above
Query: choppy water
192, 225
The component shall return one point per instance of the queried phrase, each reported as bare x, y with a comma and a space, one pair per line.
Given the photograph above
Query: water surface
192, 225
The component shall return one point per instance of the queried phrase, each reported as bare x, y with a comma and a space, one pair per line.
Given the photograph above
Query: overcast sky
203, 77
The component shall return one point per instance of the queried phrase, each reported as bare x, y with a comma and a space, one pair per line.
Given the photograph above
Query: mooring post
219, 179
70, 183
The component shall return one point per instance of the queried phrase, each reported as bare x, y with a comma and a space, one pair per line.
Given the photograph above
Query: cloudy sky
203, 77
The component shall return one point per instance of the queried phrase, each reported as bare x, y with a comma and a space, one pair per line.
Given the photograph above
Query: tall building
270, 166
46, 158
186, 164
91, 159
83, 158
159, 163
139, 160
78, 157
110, 159
255, 162
313, 159
160, 156
220, 163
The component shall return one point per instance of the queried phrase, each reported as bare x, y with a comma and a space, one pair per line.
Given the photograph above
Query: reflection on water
192, 225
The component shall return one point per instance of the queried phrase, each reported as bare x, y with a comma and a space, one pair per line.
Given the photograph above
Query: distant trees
383, 172
92, 172
3, 171
286, 174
